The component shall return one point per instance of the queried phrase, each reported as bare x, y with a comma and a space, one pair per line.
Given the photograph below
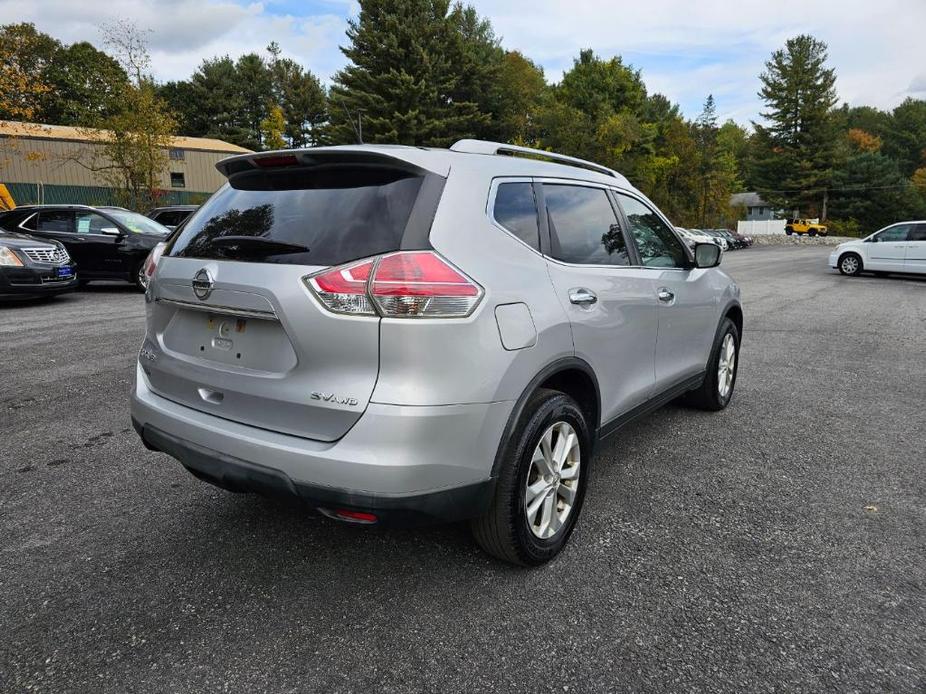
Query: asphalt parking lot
779, 545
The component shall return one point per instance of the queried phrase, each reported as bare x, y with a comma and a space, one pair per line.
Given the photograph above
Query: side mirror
707, 255
110, 231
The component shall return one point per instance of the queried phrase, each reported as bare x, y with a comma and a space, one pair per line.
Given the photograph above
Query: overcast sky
685, 48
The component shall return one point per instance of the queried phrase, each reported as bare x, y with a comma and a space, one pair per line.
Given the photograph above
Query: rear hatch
233, 327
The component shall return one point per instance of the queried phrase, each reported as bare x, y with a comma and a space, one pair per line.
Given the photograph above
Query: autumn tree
272, 128
24, 55
132, 158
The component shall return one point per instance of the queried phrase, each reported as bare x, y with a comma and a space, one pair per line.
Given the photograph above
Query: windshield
137, 223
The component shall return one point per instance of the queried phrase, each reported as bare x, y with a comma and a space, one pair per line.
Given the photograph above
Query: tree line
428, 72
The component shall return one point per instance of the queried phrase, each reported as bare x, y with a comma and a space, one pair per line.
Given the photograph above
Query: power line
838, 190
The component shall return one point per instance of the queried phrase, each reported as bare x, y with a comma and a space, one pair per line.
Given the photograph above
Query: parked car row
50, 249
727, 240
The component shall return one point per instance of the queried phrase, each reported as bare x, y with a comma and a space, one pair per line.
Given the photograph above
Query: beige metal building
49, 164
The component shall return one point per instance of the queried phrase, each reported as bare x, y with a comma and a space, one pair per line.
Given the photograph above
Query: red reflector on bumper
354, 516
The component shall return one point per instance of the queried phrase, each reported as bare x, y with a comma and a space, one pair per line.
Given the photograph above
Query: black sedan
106, 243
31, 268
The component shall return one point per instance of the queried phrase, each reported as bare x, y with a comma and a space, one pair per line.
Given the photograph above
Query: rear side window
56, 221
583, 226
918, 233
338, 213
516, 210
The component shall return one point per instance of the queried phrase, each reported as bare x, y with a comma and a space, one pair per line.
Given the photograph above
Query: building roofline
40, 131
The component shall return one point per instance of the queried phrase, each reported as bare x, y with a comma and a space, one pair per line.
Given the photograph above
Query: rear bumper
404, 464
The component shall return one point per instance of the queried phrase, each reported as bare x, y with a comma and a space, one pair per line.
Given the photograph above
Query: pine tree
795, 150
403, 81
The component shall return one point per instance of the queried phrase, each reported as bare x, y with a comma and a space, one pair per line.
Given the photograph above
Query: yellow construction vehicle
6, 200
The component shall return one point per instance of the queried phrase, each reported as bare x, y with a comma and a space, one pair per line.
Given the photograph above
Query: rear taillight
344, 289
408, 284
151, 263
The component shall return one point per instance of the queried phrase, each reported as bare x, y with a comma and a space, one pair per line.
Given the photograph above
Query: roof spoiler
411, 159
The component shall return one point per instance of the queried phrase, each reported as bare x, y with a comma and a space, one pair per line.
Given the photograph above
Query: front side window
658, 246
583, 226
55, 221
895, 233
516, 210
138, 223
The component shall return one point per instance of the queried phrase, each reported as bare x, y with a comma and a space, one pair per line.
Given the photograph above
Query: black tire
709, 396
136, 277
812, 232
847, 266
789, 230
504, 531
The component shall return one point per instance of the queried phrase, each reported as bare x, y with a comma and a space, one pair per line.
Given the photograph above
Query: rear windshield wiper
262, 243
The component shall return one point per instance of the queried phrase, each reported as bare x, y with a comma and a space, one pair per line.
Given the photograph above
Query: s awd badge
331, 397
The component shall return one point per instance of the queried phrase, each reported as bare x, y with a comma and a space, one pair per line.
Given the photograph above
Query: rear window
338, 214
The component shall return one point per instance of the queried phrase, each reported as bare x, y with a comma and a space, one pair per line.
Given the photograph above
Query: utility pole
823, 212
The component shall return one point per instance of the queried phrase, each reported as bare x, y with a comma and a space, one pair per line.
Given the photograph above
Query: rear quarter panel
441, 362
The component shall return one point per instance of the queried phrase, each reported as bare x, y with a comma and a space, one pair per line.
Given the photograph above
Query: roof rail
486, 147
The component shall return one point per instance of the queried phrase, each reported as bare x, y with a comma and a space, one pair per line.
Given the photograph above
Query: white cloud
184, 32
720, 46
686, 49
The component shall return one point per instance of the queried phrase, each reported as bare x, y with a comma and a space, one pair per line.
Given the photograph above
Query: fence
764, 227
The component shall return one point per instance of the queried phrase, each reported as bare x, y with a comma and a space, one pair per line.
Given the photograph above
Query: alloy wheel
850, 265
552, 480
726, 366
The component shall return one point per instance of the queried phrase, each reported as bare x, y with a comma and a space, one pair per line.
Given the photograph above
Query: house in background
757, 209
40, 164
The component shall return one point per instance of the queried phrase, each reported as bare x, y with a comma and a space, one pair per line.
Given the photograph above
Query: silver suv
398, 334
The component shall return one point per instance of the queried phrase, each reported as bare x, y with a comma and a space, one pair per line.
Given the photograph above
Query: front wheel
541, 483
850, 264
716, 391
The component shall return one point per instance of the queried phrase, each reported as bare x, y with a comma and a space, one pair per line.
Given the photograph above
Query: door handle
582, 296
664, 295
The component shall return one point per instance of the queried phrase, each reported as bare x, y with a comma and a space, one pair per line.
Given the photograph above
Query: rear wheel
850, 264
541, 483
812, 232
717, 390
789, 230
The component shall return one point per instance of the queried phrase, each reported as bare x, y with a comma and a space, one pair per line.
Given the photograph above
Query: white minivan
899, 247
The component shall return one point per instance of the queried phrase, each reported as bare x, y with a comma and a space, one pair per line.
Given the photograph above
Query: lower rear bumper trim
443, 505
